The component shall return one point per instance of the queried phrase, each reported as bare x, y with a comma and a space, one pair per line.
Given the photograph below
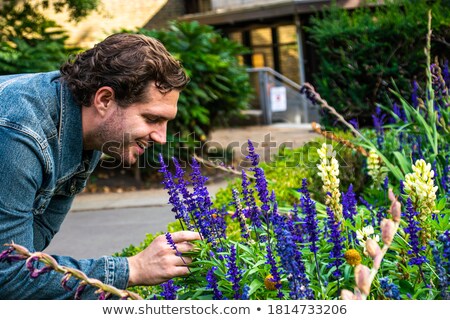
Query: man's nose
159, 135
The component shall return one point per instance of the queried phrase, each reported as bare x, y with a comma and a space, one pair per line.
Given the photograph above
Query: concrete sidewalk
129, 199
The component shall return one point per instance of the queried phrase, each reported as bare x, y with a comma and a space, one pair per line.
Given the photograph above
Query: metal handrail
278, 75
264, 102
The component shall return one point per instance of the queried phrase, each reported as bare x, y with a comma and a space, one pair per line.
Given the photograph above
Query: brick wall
113, 15
170, 11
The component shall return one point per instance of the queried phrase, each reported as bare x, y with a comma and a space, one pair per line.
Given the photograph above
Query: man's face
127, 132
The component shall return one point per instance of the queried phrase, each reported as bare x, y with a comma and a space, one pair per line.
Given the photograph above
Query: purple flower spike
171, 243
169, 290
309, 209
178, 206
336, 238
64, 281
6, 253
413, 229
212, 284
34, 272
252, 155
233, 273
80, 290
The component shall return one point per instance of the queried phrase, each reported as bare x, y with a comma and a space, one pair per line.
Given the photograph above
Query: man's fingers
185, 247
184, 261
181, 236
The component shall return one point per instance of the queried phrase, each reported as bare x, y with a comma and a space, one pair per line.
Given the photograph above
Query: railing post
301, 65
264, 97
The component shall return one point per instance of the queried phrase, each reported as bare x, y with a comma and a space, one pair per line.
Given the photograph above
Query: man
117, 98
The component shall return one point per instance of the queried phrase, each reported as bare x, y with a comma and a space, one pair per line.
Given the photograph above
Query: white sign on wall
278, 99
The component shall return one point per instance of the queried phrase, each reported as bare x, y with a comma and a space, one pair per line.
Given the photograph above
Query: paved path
266, 139
103, 224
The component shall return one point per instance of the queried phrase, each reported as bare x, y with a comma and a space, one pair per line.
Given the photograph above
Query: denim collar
74, 159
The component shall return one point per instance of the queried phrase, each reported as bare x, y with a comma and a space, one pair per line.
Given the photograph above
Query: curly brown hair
127, 63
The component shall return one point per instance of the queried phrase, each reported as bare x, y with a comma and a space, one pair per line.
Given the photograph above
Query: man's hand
158, 262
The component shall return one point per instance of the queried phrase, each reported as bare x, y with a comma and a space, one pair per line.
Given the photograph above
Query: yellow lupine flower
329, 172
375, 169
419, 186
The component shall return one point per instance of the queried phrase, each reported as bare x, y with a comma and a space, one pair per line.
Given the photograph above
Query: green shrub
289, 167
29, 41
362, 52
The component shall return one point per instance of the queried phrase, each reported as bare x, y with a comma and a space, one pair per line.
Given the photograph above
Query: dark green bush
361, 53
29, 42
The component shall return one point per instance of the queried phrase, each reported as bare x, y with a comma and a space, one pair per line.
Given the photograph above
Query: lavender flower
309, 209
80, 289
291, 259
295, 225
169, 290
390, 290
336, 239
204, 211
443, 281
8, 256
380, 214
445, 74
172, 244
212, 284
400, 112
251, 211
35, 272
261, 182
274, 271
178, 206
365, 203
245, 292
233, 273
444, 238
378, 122
386, 183
349, 205
239, 215
413, 229
354, 123
188, 201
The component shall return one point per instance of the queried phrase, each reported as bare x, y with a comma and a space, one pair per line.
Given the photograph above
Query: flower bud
347, 295
372, 247
396, 211
387, 231
362, 275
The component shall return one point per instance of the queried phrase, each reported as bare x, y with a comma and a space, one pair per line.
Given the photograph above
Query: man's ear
102, 100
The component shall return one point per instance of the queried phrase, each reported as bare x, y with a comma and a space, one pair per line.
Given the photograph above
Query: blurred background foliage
29, 42
362, 52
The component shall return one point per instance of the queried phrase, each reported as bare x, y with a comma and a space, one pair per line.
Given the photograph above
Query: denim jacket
43, 166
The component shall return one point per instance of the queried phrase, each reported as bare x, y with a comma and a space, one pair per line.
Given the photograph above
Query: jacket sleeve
22, 169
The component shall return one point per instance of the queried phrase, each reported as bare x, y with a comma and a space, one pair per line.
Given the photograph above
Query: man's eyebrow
157, 116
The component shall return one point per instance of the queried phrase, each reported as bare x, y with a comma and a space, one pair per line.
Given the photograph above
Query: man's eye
152, 119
